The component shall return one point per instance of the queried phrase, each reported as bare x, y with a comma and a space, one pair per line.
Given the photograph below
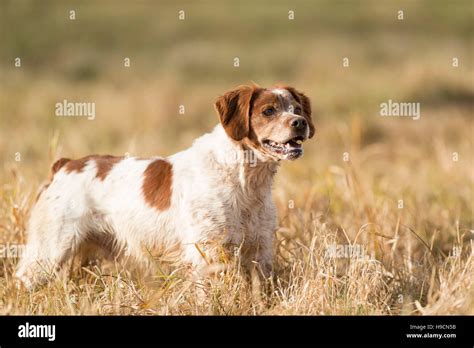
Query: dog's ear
234, 109
305, 104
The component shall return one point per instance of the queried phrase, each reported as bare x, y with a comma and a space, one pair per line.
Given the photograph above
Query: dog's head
274, 121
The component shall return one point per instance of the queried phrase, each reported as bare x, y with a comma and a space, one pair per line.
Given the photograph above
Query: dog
213, 196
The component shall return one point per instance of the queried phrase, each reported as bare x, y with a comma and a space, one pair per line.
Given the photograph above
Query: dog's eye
297, 110
269, 111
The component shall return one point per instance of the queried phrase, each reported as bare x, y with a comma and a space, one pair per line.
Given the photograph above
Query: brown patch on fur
234, 110
77, 165
104, 164
158, 178
58, 165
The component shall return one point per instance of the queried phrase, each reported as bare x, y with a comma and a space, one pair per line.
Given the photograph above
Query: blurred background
190, 62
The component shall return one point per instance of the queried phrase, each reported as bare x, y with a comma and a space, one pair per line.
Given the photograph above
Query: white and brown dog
215, 195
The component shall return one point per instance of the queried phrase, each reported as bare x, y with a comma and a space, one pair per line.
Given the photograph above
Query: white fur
215, 198
280, 91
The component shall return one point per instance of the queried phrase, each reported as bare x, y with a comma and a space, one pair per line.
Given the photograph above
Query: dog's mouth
290, 149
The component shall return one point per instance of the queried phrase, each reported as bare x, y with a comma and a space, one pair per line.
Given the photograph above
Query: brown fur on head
274, 121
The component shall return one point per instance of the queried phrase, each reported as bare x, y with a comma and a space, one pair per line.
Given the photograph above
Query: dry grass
401, 272
417, 260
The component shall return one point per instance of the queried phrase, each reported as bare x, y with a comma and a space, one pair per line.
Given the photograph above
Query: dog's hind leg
52, 239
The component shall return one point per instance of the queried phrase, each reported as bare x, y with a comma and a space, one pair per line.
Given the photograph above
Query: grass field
397, 190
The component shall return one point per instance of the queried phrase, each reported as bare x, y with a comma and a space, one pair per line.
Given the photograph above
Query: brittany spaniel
213, 196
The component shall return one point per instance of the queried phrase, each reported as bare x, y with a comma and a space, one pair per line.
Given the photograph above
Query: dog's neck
258, 174
240, 161
261, 170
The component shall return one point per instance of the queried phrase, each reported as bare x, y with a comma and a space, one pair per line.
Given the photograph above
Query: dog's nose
298, 123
